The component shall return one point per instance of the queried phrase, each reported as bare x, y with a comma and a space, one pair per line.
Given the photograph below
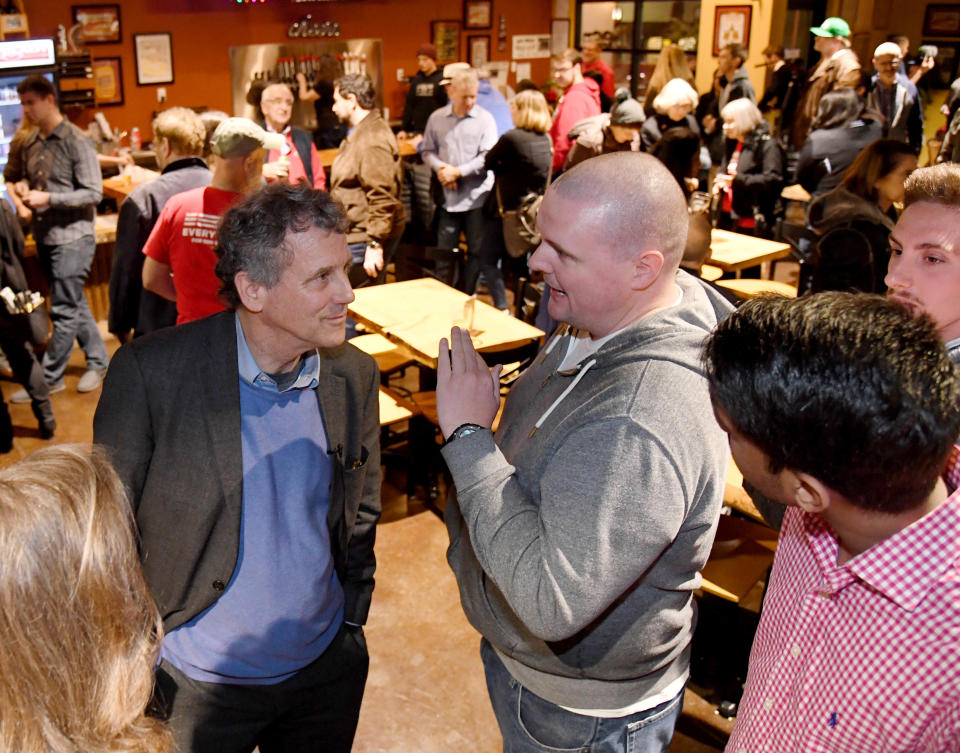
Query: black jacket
828, 152
759, 178
424, 96
520, 160
170, 416
656, 125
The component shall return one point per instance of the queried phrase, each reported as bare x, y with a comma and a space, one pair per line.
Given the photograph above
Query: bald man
577, 530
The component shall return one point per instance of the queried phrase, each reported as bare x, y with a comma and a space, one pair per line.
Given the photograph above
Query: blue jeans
66, 268
529, 724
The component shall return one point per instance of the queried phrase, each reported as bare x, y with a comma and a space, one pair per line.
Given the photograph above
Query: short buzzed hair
636, 200
182, 128
939, 184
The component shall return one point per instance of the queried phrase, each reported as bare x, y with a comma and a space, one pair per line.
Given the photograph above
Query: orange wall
204, 30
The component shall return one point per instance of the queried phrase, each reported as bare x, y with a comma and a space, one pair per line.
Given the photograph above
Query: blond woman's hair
80, 632
530, 111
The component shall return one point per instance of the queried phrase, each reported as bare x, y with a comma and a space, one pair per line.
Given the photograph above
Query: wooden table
120, 186
734, 252
327, 156
415, 314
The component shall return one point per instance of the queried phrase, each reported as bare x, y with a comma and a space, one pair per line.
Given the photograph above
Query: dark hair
773, 49
252, 235
838, 109
676, 149
876, 160
37, 84
360, 86
737, 50
849, 388
898, 39
526, 84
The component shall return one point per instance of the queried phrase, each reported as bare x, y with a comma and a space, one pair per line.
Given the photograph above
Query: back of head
252, 234
634, 200
38, 85
838, 109
675, 92
530, 111
939, 184
80, 630
773, 50
849, 388
360, 86
211, 119
626, 110
876, 160
182, 128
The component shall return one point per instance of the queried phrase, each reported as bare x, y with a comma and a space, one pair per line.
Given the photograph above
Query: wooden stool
390, 358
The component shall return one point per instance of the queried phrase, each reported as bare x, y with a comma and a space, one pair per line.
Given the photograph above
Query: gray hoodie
578, 532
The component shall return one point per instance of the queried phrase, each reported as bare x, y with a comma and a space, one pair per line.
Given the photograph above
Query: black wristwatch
461, 431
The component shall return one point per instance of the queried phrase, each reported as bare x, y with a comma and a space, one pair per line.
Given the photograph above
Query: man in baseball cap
838, 68
180, 258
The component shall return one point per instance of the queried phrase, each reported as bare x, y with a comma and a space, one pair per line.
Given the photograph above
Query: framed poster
731, 24
479, 49
108, 81
530, 46
477, 14
153, 54
445, 36
100, 23
941, 21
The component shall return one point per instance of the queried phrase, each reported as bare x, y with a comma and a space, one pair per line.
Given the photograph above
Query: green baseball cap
238, 137
832, 27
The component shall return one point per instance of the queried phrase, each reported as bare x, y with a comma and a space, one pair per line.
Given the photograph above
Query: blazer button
218, 585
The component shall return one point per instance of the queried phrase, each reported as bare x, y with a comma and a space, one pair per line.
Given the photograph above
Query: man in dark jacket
896, 101
248, 443
178, 138
730, 63
426, 93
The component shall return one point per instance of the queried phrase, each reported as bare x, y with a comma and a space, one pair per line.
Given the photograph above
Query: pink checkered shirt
862, 657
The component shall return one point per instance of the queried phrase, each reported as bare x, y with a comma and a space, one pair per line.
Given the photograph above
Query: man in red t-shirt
593, 62
180, 259
297, 158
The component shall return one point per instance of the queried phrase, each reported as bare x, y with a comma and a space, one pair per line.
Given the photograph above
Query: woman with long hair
80, 632
671, 63
520, 160
854, 220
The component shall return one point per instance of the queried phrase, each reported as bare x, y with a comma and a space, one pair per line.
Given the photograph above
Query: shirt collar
471, 113
905, 566
182, 163
270, 129
251, 373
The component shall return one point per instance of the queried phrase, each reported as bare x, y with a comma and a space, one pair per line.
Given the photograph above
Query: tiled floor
425, 692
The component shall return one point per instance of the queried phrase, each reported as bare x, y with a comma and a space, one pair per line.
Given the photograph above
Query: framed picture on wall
445, 36
100, 23
108, 81
477, 14
479, 49
731, 24
153, 54
941, 20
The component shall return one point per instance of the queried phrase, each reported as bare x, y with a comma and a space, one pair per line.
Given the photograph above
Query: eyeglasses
287, 102
563, 70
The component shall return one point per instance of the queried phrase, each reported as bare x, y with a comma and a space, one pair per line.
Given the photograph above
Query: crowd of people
200, 579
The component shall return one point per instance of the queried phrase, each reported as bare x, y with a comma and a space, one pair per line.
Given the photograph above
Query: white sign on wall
529, 46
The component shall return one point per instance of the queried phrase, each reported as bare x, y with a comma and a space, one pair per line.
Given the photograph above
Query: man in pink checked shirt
844, 408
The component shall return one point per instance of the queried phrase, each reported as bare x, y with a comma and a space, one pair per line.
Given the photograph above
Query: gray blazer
170, 417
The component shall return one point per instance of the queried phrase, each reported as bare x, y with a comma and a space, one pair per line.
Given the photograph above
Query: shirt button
767, 705
218, 585
795, 651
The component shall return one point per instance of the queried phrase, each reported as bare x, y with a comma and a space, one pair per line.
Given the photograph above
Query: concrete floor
426, 690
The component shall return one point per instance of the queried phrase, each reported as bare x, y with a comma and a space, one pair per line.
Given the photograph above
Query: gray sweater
577, 545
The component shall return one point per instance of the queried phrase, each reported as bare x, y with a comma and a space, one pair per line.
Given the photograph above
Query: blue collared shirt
463, 143
308, 378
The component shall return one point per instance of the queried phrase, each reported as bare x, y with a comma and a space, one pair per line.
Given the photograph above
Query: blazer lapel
331, 393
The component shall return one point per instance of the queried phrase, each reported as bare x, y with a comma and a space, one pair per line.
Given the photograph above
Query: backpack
520, 232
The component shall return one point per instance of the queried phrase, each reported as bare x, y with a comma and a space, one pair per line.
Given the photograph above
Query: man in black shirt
425, 95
